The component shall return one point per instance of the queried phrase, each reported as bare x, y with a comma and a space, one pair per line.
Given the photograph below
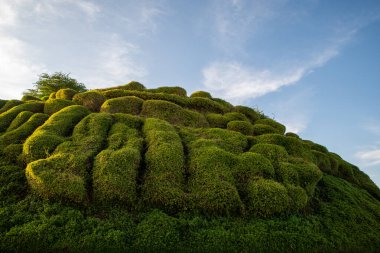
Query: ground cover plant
129, 168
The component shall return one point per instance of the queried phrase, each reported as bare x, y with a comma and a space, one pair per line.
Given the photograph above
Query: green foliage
47, 84
205, 105
216, 120
316, 147
250, 113
308, 174
19, 134
7, 117
164, 159
287, 173
211, 181
290, 134
66, 94
201, 94
322, 160
9, 105
64, 175
275, 153
270, 122
55, 105
133, 85
236, 116
170, 90
130, 105
267, 197
12, 154
20, 119
298, 197
172, 113
53, 132
241, 126
2, 103
116, 168
157, 232
259, 129
90, 99
12, 181
29, 98
52, 95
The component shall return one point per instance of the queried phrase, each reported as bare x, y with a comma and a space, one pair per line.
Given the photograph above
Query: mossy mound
134, 169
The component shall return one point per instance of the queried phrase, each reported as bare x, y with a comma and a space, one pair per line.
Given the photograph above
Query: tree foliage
48, 84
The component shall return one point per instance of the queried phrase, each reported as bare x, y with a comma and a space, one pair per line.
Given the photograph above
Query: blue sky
312, 65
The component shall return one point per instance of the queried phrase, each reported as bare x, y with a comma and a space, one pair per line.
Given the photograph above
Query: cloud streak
369, 158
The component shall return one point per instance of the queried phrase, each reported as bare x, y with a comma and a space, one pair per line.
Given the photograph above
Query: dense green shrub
55, 105
322, 160
308, 174
216, 120
133, 85
29, 98
200, 94
44, 98
9, 105
259, 129
230, 141
64, 175
298, 197
287, 173
20, 119
12, 154
250, 113
52, 95
236, 116
290, 134
228, 107
90, 99
53, 132
66, 94
270, 122
130, 105
116, 168
7, 117
12, 181
205, 105
267, 198
164, 182
276, 154
172, 113
241, 126
2, 103
315, 146
170, 90
19, 134
211, 182
157, 232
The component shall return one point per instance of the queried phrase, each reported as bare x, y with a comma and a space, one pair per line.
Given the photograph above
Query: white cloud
235, 81
369, 157
8, 14
17, 69
115, 64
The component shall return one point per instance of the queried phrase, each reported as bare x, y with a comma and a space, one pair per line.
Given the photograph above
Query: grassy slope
196, 189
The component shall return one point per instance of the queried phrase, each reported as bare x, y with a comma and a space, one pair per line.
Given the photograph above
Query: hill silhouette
131, 168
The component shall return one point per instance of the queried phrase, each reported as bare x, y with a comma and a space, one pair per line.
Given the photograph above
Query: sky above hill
313, 65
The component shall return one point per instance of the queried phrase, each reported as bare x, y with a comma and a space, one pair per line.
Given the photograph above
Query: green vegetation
48, 84
151, 170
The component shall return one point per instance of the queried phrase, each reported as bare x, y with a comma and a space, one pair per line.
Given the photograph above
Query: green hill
135, 169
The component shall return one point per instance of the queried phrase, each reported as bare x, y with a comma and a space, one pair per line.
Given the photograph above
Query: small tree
47, 84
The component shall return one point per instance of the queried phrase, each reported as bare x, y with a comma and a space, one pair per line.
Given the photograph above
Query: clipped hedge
260, 129
270, 122
205, 105
241, 126
308, 174
294, 135
53, 132
276, 154
55, 105
230, 141
20, 119
133, 85
116, 168
90, 99
65, 174
200, 94
29, 98
298, 197
165, 166
287, 173
19, 134
9, 105
66, 94
216, 120
128, 104
211, 182
172, 113
322, 160
170, 90
7, 117
250, 113
267, 198
236, 116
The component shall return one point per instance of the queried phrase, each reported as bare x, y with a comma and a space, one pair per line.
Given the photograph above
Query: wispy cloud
369, 158
238, 82
373, 126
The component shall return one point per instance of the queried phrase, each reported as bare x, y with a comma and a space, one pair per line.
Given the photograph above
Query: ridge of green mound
132, 168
